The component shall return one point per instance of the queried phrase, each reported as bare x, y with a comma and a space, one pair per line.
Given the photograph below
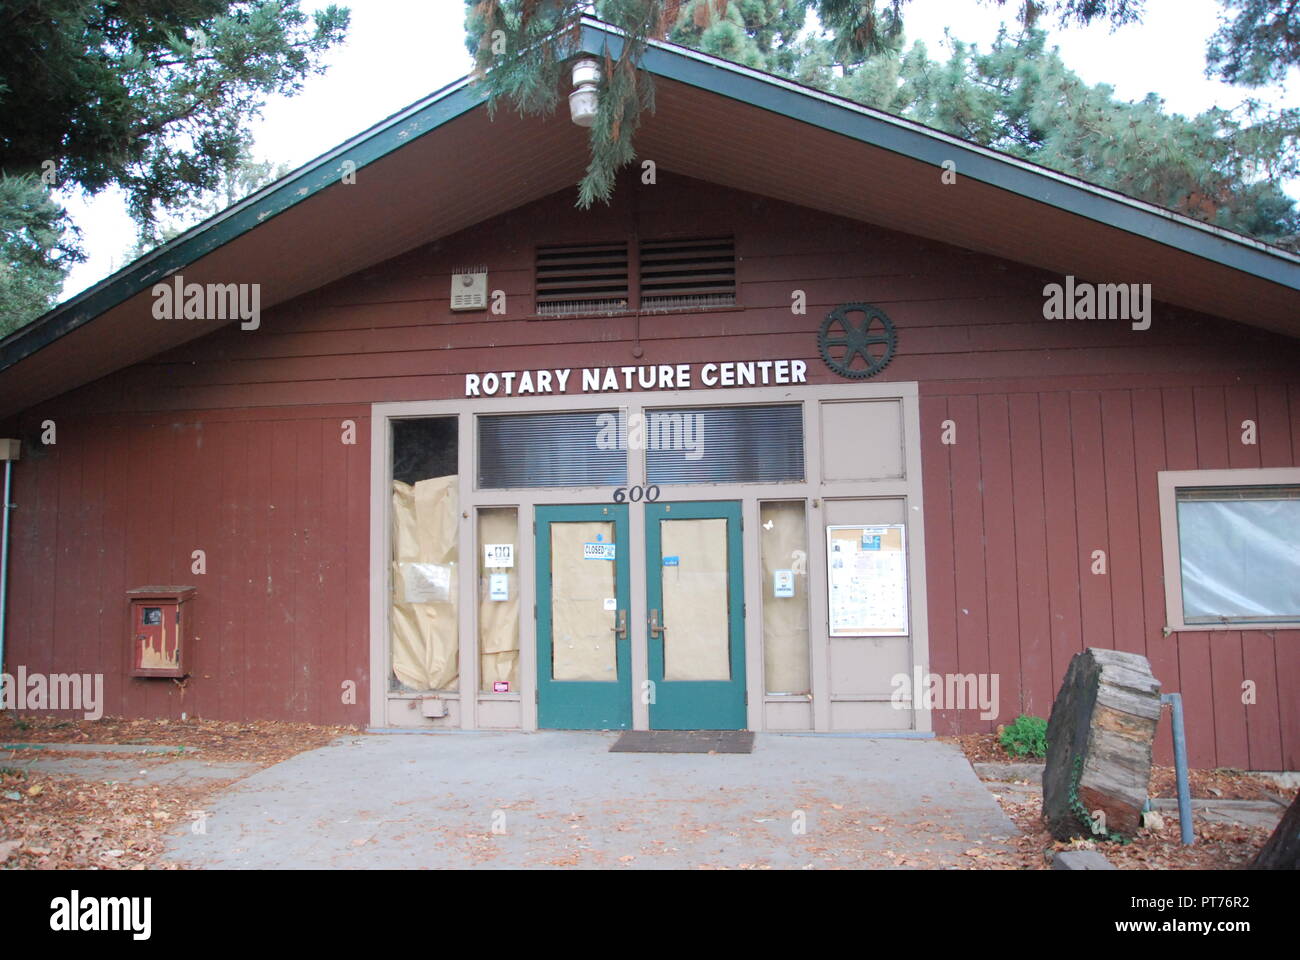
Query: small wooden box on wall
158, 638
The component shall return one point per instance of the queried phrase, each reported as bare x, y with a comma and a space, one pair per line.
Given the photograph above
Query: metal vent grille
688, 274
584, 278
549, 450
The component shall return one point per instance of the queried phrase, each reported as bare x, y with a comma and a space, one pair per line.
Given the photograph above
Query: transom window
760, 444
572, 449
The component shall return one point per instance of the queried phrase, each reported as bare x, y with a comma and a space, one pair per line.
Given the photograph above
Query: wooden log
1099, 741
1282, 849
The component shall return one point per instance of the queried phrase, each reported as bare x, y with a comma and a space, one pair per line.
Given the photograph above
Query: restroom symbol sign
498, 555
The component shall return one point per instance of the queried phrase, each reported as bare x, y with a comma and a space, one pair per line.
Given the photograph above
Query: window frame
1168, 483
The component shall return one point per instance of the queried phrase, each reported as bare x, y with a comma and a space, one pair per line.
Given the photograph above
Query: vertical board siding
1149, 458
1038, 680
1000, 554
1094, 557
940, 582
1082, 476
969, 558
1062, 531
272, 503
233, 444
1124, 547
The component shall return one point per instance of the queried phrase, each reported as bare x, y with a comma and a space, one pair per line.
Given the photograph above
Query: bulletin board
867, 580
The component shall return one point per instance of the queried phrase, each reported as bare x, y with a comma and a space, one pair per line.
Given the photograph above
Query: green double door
693, 617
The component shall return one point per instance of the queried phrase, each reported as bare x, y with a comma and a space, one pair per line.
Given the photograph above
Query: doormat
684, 741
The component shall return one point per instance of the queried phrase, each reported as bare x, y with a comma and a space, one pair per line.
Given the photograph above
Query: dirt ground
50, 821
1218, 846
263, 742
1220, 784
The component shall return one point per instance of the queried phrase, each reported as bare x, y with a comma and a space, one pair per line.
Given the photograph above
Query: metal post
5, 508
1175, 700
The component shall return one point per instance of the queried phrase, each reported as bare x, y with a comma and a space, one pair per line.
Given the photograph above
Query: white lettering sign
663, 376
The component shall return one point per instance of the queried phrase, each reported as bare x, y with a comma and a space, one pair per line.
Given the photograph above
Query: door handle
655, 629
621, 627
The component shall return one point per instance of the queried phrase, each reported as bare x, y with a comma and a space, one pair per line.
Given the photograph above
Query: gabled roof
443, 164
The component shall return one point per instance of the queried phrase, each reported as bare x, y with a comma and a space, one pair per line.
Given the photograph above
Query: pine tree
1222, 166
152, 96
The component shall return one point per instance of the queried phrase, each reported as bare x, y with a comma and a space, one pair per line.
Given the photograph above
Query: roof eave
727, 79
384, 137
934, 147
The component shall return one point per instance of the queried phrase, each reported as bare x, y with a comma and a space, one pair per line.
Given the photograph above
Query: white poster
425, 582
783, 583
867, 580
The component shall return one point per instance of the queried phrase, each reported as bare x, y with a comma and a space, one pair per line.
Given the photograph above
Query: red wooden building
825, 402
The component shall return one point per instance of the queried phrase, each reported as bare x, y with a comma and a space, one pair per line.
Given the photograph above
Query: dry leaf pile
1220, 784
263, 741
55, 821
63, 822
1218, 846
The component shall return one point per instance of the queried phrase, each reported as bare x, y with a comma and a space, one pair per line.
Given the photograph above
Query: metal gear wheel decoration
856, 346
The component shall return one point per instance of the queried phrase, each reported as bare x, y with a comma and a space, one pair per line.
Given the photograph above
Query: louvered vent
587, 278
688, 274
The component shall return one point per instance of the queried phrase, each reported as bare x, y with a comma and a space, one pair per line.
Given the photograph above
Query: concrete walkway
559, 799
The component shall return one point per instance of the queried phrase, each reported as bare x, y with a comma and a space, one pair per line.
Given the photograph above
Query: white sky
397, 51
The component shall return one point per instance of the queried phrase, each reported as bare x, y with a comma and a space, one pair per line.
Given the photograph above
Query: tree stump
1282, 850
1099, 741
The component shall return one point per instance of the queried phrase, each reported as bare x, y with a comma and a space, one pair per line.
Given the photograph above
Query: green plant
1027, 737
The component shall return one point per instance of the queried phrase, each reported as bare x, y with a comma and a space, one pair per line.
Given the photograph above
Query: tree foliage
1222, 166
1257, 42
153, 96
236, 181
36, 250
520, 48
